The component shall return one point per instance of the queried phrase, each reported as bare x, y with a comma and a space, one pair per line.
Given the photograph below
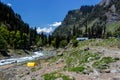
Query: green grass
74, 60
113, 26
111, 42
77, 57
77, 69
55, 75
104, 62
81, 56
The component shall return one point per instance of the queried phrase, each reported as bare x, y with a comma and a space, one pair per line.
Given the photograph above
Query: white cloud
56, 24
49, 29
9, 4
46, 30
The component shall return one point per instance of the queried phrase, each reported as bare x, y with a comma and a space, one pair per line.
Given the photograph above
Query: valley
99, 62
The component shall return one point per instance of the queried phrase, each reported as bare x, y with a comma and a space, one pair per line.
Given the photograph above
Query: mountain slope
89, 18
13, 30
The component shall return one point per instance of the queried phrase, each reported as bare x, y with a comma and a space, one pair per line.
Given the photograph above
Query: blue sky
46, 14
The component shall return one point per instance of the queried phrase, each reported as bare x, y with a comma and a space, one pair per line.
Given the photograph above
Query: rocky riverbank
99, 62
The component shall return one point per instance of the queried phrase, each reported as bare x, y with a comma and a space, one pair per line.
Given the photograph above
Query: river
36, 55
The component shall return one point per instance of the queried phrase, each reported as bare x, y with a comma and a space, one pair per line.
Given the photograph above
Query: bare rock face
104, 2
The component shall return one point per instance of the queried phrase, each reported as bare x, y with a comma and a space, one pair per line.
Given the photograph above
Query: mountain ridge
104, 13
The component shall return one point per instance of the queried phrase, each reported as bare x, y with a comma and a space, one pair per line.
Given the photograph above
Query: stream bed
36, 55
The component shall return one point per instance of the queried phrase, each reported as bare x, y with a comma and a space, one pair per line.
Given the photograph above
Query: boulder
86, 72
60, 54
41, 49
107, 70
60, 61
86, 49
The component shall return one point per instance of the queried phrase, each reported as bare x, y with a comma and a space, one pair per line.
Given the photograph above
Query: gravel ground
22, 72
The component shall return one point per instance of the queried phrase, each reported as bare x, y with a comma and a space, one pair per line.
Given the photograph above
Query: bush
75, 43
53, 43
63, 43
77, 69
3, 43
104, 62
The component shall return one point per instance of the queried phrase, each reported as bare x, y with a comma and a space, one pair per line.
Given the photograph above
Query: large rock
107, 70
86, 49
60, 54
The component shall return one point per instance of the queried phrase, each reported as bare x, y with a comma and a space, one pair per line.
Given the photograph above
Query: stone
86, 49
60, 61
60, 54
59, 79
113, 71
107, 71
28, 73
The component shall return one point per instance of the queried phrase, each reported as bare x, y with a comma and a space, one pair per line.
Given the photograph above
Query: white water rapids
36, 55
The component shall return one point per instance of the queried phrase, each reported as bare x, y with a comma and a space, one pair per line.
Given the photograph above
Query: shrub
63, 43
3, 43
104, 62
77, 69
75, 43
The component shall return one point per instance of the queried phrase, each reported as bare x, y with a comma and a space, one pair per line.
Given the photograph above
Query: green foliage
112, 27
3, 43
76, 58
77, 69
53, 43
63, 43
75, 43
14, 30
106, 42
39, 43
4, 32
92, 21
73, 21
103, 63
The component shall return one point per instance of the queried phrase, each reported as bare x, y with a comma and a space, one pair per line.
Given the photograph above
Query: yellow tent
31, 64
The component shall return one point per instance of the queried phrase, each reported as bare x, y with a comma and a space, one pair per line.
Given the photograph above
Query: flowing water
37, 55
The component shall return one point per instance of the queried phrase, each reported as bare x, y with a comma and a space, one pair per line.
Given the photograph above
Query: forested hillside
98, 21
14, 32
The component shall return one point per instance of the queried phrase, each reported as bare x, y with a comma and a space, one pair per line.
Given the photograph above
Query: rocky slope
105, 13
68, 64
